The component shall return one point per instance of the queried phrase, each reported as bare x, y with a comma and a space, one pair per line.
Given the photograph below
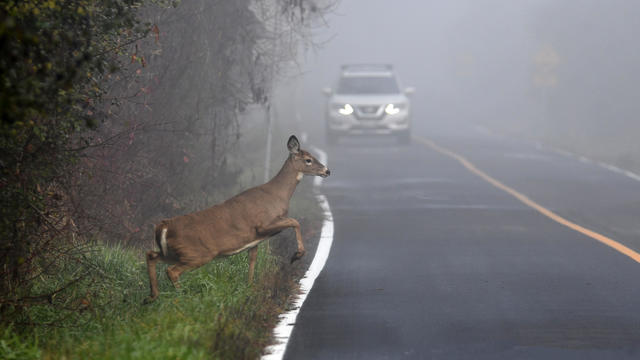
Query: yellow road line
527, 201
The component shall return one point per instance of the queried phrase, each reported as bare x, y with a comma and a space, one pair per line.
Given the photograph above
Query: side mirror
327, 91
409, 91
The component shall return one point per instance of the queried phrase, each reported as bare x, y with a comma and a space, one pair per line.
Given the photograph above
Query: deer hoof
297, 255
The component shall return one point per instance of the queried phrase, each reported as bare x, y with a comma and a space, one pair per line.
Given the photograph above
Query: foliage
12, 346
54, 53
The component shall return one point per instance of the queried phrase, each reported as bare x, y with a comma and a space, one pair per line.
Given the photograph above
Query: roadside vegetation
114, 115
216, 313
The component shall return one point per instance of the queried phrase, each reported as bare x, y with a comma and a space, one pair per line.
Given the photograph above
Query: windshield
368, 85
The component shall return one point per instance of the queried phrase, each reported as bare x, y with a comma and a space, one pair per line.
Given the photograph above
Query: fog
462, 268
560, 71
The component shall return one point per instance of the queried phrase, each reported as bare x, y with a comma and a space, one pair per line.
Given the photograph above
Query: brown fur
237, 224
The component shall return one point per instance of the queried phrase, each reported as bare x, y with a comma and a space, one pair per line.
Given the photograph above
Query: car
368, 101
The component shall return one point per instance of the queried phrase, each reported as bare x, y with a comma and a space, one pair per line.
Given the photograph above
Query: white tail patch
163, 242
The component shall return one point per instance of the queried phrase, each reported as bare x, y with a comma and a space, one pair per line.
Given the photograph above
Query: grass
216, 313
12, 347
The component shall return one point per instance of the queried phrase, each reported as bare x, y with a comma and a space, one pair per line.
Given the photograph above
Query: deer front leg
281, 224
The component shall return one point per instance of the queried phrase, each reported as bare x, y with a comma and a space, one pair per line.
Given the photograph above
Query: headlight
345, 110
392, 109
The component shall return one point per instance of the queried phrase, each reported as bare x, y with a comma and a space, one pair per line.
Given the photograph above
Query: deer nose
328, 172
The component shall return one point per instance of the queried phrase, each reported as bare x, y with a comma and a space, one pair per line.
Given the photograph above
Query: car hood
369, 99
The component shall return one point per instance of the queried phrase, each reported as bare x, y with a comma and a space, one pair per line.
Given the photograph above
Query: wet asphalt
429, 261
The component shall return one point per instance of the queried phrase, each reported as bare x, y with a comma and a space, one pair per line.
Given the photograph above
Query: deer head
303, 162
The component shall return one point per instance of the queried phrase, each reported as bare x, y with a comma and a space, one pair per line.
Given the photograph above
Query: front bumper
352, 125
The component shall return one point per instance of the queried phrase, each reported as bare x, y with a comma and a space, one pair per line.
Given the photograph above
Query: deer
240, 223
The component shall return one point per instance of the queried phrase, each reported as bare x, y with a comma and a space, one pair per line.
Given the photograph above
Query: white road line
583, 159
601, 164
283, 330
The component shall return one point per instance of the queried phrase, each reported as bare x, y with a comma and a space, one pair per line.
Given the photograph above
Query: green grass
216, 313
12, 346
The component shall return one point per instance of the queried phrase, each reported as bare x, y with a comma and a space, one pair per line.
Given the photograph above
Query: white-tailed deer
240, 223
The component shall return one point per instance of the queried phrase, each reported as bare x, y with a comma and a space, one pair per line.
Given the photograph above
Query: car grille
368, 109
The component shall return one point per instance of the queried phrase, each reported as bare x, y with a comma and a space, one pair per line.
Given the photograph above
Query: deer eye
308, 161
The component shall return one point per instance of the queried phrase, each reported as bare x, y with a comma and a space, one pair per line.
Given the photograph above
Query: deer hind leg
174, 272
282, 224
253, 255
152, 259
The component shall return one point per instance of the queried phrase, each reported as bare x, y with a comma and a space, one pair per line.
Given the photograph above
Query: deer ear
293, 145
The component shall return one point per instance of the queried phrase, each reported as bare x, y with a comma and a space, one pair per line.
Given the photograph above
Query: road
430, 261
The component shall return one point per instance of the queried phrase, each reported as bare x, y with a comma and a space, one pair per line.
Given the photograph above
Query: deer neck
285, 182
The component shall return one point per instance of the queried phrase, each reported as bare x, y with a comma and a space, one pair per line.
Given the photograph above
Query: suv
368, 101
